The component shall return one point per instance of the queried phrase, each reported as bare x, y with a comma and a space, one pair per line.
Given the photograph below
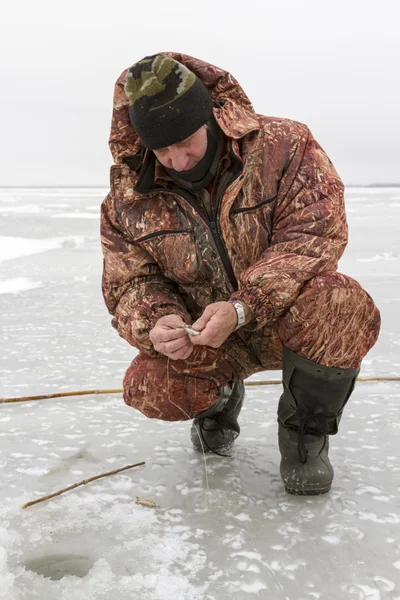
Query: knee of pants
160, 389
334, 321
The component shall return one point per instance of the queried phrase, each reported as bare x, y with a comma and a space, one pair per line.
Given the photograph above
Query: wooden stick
60, 395
75, 485
120, 390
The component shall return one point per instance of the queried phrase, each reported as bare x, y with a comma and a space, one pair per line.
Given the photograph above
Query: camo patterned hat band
167, 102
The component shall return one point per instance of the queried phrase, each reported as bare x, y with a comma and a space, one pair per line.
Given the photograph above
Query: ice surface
18, 284
76, 215
15, 247
244, 537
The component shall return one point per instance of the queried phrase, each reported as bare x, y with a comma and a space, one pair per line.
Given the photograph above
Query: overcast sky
333, 65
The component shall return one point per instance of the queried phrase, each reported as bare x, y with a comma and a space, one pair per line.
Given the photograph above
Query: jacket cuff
135, 329
167, 310
263, 310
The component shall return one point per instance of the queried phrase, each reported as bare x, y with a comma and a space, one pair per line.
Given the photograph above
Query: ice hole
58, 566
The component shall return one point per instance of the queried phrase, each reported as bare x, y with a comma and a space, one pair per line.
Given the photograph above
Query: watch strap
241, 318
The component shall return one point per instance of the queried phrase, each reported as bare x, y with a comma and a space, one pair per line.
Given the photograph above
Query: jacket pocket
153, 234
243, 209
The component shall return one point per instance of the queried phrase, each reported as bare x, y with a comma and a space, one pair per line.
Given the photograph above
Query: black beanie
167, 102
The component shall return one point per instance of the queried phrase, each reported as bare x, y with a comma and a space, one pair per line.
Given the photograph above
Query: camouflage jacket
281, 220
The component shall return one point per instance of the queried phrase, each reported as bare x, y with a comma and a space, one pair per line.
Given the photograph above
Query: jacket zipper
248, 208
219, 242
161, 232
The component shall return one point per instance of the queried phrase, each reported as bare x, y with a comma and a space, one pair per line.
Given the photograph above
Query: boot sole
315, 492
198, 448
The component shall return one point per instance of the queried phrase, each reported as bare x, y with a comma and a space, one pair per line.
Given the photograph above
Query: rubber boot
309, 411
216, 429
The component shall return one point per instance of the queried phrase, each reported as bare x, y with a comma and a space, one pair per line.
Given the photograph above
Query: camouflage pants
333, 322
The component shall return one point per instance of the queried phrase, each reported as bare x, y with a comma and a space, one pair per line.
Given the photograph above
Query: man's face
186, 154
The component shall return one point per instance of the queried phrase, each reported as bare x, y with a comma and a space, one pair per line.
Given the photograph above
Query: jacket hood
232, 108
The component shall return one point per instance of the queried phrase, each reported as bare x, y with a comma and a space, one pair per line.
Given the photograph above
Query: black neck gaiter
202, 173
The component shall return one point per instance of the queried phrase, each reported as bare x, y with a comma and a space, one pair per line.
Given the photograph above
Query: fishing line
195, 426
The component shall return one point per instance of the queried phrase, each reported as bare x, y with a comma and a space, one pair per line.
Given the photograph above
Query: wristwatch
239, 312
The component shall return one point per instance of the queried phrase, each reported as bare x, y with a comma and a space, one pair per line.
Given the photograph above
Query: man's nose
179, 159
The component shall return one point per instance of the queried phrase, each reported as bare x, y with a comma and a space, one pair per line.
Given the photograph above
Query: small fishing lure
188, 329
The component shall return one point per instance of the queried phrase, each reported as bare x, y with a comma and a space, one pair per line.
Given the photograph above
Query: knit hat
167, 102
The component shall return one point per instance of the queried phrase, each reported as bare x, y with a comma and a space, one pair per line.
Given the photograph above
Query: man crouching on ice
233, 223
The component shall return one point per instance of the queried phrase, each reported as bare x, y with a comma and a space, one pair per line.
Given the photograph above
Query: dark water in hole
56, 567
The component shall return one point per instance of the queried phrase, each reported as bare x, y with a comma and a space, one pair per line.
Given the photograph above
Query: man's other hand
216, 324
172, 342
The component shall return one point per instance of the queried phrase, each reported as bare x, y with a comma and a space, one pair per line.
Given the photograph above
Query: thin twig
75, 485
148, 503
120, 390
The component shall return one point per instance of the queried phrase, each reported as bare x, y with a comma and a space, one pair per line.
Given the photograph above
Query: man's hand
216, 324
172, 342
